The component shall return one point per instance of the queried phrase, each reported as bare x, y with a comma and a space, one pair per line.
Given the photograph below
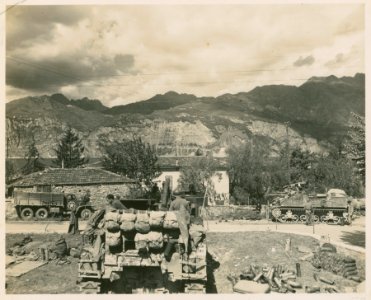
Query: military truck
44, 204
136, 251
331, 207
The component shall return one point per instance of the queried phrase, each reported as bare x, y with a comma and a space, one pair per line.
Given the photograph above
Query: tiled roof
78, 176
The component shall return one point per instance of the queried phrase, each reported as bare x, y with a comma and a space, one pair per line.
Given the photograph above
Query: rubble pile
29, 250
278, 278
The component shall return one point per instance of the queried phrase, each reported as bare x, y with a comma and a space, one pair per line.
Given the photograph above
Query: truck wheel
85, 214
42, 213
27, 213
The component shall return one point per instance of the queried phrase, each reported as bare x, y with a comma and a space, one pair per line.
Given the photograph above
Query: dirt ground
229, 252
234, 252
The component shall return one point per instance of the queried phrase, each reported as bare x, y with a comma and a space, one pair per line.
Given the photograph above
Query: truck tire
27, 213
42, 213
85, 214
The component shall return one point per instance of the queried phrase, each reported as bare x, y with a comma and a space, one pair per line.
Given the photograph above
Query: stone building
172, 167
77, 181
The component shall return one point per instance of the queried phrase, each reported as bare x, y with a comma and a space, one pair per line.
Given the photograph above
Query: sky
128, 53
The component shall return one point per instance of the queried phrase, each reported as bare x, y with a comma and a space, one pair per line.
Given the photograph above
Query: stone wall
98, 192
232, 212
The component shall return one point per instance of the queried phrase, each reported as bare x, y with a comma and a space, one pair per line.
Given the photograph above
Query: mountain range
312, 116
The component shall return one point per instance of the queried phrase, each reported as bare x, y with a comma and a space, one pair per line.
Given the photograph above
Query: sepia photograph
176, 148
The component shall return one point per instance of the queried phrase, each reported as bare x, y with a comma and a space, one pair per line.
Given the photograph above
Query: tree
335, 172
132, 158
252, 172
32, 160
70, 151
9, 171
355, 144
196, 176
300, 163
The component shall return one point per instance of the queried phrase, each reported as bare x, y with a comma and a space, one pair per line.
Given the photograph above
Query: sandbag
155, 240
171, 221
142, 223
127, 226
113, 239
141, 241
112, 216
112, 226
156, 219
142, 227
128, 217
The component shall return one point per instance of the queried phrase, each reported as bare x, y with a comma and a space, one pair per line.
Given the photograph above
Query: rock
250, 287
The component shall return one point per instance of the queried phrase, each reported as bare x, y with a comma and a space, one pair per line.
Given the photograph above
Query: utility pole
287, 124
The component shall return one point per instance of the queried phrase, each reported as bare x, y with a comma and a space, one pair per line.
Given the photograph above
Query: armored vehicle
331, 207
137, 251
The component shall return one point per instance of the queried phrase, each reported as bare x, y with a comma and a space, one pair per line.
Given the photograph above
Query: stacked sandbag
155, 240
113, 239
197, 233
171, 221
113, 233
127, 220
142, 222
141, 241
156, 219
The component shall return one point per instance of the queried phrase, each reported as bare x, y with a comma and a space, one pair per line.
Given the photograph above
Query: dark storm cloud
50, 73
30, 24
309, 60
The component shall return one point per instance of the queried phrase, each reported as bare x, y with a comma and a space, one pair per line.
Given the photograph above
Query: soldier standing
350, 211
74, 222
308, 209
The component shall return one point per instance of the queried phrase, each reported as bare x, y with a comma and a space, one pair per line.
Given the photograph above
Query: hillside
179, 124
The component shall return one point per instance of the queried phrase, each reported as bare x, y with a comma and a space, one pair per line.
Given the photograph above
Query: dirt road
353, 235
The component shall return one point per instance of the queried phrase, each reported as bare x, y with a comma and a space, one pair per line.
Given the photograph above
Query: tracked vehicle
118, 259
331, 208
143, 251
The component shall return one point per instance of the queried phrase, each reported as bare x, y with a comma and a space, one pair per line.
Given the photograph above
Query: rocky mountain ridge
312, 116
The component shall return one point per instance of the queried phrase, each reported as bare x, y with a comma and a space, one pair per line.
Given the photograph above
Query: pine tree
70, 151
32, 157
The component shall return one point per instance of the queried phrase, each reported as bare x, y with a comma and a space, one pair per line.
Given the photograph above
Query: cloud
31, 24
51, 73
309, 60
122, 54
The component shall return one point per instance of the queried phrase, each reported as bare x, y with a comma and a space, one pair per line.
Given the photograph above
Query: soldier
114, 203
86, 197
74, 222
350, 209
308, 209
178, 202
